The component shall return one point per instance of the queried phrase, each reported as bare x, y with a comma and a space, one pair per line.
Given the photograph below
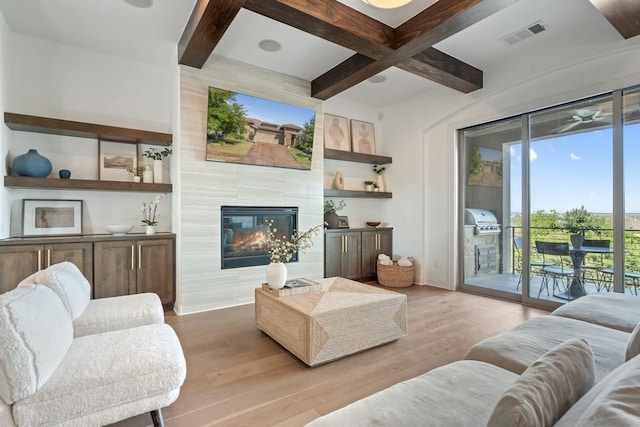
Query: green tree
225, 114
305, 142
476, 161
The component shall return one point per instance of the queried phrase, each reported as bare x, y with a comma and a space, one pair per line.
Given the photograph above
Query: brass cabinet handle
346, 244
132, 258
139, 257
48, 257
39, 259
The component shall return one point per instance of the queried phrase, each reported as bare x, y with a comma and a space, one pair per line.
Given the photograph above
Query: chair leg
156, 416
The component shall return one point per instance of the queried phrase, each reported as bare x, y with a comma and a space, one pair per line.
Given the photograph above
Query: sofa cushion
111, 314
548, 388
633, 344
613, 310
68, 282
518, 348
35, 332
611, 402
462, 393
104, 373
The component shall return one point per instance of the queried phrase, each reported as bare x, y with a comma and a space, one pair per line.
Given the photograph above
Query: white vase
157, 171
147, 175
150, 230
380, 182
276, 275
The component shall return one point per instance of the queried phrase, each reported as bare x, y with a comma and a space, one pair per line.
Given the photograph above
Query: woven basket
395, 276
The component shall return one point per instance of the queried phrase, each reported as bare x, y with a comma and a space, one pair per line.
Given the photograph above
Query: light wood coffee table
344, 318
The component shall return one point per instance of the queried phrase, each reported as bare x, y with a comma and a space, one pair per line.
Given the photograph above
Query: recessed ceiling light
386, 4
140, 3
377, 79
270, 45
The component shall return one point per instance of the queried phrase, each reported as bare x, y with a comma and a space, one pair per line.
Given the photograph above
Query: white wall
427, 126
5, 55
205, 186
62, 81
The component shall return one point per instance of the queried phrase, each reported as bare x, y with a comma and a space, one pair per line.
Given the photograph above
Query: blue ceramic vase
32, 164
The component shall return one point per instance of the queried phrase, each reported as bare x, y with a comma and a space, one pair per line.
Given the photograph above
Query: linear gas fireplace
245, 233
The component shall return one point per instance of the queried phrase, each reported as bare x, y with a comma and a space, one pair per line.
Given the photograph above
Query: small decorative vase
157, 171
368, 187
332, 219
338, 181
32, 164
64, 173
150, 230
276, 275
147, 175
380, 182
136, 179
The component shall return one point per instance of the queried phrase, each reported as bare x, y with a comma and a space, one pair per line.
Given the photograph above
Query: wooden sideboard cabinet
19, 261
114, 265
352, 253
123, 267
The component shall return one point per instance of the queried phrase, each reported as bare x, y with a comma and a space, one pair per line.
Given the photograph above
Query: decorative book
294, 287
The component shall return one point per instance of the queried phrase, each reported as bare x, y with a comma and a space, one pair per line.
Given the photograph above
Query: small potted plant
577, 222
135, 173
331, 218
157, 156
368, 185
376, 187
379, 170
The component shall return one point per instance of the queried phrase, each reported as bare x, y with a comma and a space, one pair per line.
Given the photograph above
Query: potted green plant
379, 170
331, 218
157, 156
368, 185
577, 222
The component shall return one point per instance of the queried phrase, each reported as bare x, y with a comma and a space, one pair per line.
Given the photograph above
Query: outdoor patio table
576, 288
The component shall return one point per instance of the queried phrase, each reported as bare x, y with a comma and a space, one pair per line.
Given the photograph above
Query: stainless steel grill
484, 220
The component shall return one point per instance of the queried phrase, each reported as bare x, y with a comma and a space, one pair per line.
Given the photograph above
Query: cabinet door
80, 254
369, 253
17, 263
385, 242
114, 268
155, 269
351, 258
333, 252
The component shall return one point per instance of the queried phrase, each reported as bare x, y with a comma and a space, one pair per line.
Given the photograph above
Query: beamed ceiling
376, 46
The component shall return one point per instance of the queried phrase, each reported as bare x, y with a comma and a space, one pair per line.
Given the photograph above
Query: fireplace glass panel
245, 233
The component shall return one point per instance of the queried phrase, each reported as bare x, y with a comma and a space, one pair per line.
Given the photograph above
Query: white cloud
574, 156
532, 154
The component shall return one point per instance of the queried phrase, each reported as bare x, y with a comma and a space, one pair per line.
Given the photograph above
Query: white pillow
547, 388
68, 282
35, 335
633, 344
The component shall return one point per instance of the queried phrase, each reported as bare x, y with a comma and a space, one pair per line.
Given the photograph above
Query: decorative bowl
119, 229
373, 224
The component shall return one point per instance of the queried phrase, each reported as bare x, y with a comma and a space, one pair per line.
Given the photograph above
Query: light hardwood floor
238, 376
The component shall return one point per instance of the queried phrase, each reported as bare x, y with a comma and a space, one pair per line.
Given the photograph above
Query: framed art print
363, 137
336, 133
115, 158
51, 217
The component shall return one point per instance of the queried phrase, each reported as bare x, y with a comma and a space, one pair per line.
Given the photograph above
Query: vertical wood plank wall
203, 186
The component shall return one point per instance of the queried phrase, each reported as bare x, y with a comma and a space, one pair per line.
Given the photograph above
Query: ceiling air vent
524, 33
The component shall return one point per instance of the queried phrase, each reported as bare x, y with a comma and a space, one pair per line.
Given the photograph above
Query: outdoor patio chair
593, 271
535, 267
557, 273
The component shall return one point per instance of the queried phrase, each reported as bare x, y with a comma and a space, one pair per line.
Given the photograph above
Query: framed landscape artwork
51, 217
115, 158
257, 131
486, 167
363, 137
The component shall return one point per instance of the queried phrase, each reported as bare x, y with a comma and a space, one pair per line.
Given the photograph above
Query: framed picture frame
42, 217
336, 133
343, 222
115, 158
363, 137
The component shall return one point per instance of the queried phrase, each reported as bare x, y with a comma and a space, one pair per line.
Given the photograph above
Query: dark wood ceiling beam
439, 21
331, 21
206, 26
624, 15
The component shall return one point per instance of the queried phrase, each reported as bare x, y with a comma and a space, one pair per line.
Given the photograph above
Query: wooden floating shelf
357, 194
47, 125
356, 157
83, 184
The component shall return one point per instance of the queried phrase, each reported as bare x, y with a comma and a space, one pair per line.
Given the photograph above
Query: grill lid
479, 217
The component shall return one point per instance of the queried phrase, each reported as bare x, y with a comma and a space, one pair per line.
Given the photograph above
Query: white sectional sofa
66, 360
578, 366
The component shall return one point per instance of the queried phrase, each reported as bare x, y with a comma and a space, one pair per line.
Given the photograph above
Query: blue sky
275, 112
577, 170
